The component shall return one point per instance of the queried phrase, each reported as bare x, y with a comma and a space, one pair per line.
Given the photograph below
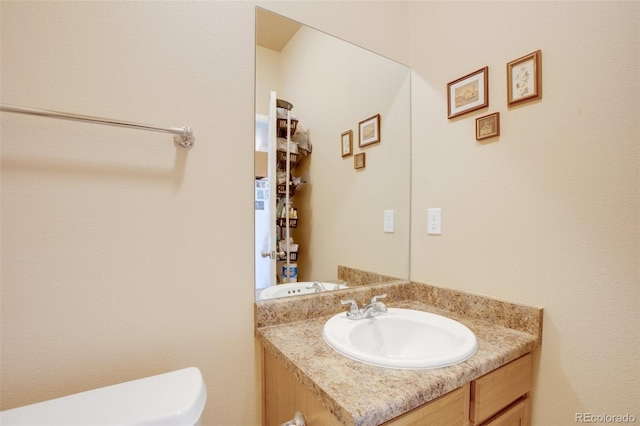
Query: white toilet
171, 399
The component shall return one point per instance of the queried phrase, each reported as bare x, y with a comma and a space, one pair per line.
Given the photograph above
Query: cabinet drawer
495, 391
449, 409
516, 415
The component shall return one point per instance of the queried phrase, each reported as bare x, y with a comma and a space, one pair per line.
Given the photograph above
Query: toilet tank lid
174, 398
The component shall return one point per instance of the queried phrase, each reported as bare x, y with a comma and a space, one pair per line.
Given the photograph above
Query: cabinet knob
298, 420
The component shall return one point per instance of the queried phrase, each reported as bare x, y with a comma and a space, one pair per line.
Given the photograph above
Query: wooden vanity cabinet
499, 398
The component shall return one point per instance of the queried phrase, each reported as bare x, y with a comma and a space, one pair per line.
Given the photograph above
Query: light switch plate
388, 221
434, 221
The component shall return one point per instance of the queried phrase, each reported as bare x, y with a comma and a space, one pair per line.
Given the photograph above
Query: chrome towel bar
184, 135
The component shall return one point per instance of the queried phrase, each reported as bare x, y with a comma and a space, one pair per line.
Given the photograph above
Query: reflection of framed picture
468, 93
369, 131
346, 141
524, 78
358, 161
488, 126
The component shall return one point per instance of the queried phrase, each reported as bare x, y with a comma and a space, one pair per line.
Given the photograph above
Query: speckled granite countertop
361, 394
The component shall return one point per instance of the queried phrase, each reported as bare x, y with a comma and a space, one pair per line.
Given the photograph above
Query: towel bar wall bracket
186, 139
183, 135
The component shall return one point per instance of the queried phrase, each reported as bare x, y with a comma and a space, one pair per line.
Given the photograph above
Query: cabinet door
283, 395
516, 415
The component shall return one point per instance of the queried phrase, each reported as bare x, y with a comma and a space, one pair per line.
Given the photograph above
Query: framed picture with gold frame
488, 126
524, 79
369, 131
468, 93
359, 161
346, 143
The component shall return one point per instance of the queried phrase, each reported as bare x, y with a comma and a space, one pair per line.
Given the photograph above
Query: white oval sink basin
296, 289
401, 338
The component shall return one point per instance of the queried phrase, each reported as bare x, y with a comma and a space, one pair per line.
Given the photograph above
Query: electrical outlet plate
434, 221
388, 221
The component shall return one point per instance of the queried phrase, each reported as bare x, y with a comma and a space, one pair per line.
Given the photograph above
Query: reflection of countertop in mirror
360, 394
351, 277
294, 289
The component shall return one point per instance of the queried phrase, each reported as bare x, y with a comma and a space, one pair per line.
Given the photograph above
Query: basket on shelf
281, 189
293, 255
282, 127
282, 222
281, 158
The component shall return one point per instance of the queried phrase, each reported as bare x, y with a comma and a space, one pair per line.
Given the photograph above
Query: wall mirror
349, 159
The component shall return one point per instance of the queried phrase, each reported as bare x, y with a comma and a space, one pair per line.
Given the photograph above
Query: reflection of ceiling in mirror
274, 31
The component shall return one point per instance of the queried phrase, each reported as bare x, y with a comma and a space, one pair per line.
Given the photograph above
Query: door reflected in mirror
346, 214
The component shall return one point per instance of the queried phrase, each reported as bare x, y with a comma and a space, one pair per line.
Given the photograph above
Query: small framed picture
369, 131
359, 161
346, 143
468, 93
488, 126
524, 78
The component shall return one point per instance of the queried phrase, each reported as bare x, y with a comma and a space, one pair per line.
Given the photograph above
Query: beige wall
267, 77
546, 214
122, 257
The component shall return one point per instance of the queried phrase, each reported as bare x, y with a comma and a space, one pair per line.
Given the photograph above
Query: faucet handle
353, 309
374, 299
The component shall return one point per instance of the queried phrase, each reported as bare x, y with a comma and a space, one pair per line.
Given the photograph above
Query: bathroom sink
296, 289
401, 338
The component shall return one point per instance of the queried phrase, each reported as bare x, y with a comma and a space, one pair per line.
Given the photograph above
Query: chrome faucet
374, 308
317, 287
371, 310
